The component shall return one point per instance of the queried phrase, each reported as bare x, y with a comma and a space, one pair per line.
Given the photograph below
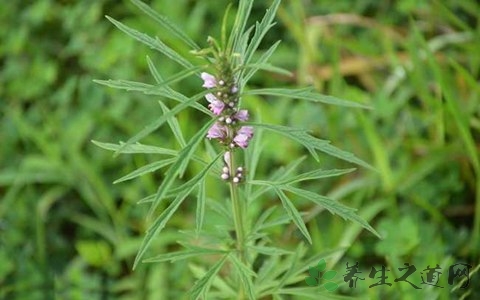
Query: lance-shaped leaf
159, 224
307, 94
314, 175
183, 158
312, 143
184, 254
152, 167
244, 9
293, 214
253, 68
201, 200
201, 287
155, 44
174, 126
135, 148
167, 24
245, 275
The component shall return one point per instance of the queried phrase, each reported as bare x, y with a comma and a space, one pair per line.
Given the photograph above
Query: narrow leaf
159, 122
244, 9
182, 255
270, 250
262, 60
152, 167
183, 157
159, 224
155, 44
333, 206
315, 174
199, 290
164, 22
174, 126
261, 29
245, 275
200, 215
293, 214
312, 143
307, 94
135, 148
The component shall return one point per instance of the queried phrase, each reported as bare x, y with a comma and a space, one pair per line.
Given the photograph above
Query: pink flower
241, 115
217, 131
244, 135
209, 80
216, 106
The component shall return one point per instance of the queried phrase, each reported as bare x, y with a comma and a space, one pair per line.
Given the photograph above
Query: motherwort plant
244, 263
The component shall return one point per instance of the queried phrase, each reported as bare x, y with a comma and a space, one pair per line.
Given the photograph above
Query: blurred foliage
66, 232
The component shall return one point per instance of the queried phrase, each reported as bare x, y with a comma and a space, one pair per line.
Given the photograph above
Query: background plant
369, 52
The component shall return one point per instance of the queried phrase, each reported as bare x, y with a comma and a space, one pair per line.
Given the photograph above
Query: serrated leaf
331, 205
312, 144
152, 167
294, 214
307, 94
167, 24
329, 275
155, 44
322, 264
202, 285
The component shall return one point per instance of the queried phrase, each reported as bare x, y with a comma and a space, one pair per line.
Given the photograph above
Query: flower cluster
223, 102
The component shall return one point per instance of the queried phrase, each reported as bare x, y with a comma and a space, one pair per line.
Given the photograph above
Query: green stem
237, 209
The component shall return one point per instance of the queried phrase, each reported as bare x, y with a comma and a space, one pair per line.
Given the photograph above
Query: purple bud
217, 131
244, 135
241, 115
216, 106
209, 80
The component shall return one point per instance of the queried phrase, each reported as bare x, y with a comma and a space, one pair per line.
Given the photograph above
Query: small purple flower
234, 89
216, 106
244, 135
217, 131
241, 115
209, 80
